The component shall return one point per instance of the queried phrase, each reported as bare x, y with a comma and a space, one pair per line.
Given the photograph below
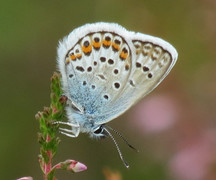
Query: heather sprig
47, 136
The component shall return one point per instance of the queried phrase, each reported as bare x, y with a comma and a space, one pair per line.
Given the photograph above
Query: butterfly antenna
117, 147
121, 136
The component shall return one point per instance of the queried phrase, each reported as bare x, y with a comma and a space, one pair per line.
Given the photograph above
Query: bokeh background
173, 127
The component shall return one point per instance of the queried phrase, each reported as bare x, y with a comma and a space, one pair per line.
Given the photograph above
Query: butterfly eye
99, 130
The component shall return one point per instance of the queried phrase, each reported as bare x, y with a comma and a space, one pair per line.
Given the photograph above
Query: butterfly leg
67, 123
68, 131
73, 132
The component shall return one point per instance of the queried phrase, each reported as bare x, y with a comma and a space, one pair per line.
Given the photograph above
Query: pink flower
71, 165
25, 178
76, 166
155, 114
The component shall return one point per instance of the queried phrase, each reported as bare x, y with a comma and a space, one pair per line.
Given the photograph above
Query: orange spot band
73, 57
116, 46
123, 55
106, 43
96, 44
67, 61
78, 56
87, 49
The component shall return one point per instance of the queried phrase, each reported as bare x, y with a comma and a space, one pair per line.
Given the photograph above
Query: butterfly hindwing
152, 59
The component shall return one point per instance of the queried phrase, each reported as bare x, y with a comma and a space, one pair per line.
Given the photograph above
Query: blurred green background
174, 127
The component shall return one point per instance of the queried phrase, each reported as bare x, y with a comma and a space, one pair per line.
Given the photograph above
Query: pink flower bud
25, 178
63, 99
71, 165
76, 166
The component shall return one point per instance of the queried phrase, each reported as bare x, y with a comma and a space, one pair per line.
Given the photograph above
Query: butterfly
105, 70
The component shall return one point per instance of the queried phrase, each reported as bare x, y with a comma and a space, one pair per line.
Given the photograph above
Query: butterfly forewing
97, 69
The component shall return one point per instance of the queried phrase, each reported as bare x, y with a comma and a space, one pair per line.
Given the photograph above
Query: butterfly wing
152, 60
106, 69
88, 60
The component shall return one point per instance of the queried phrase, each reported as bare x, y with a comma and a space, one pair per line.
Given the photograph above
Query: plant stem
48, 129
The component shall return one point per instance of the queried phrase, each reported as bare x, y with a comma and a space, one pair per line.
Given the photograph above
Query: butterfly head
98, 132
